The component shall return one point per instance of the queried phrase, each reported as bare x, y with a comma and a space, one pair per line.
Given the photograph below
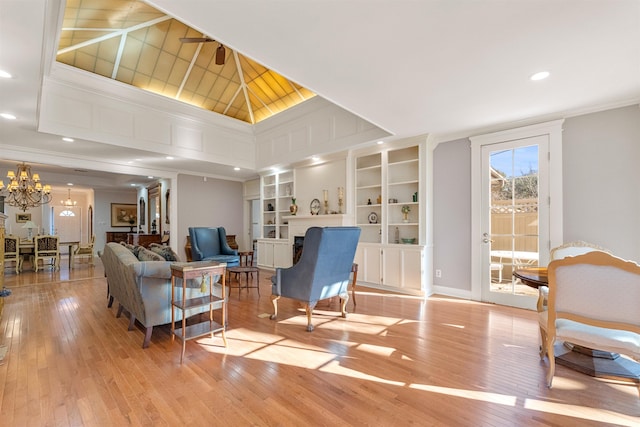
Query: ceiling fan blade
196, 39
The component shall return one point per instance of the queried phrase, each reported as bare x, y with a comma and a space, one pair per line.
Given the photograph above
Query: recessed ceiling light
380, 142
4, 74
315, 158
7, 116
67, 139
236, 168
150, 177
169, 158
69, 183
540, 76
133, 185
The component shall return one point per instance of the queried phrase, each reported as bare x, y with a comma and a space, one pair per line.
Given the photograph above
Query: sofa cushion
164, 251
145, 254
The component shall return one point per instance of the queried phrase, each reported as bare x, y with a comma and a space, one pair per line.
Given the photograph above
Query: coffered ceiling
131, 42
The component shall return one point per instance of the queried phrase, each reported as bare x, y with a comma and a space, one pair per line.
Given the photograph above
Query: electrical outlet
438, 273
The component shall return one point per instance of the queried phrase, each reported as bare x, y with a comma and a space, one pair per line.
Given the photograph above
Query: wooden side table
192, 270
246, 270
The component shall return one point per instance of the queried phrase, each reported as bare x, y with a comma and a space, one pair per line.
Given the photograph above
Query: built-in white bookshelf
277, 190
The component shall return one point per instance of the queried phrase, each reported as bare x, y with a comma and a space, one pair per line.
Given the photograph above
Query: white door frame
554, 132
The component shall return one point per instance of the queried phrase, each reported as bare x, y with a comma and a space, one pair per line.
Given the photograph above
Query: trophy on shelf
326, 201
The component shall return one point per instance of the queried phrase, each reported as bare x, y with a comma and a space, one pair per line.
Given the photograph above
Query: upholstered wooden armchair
593, 303
85, 250
46, 248
322, 272
210, 244
12, 252
576, 248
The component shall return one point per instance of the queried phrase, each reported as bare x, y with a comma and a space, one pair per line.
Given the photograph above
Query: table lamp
30, 225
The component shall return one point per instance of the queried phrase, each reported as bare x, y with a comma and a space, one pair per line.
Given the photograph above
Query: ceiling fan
220, 51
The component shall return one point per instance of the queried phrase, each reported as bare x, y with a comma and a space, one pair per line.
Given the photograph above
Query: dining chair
85, 250
46, 248
12, 252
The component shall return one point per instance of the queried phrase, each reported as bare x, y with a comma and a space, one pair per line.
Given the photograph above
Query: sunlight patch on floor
298, 357
335, 367
377, 350
501, 399
580, 412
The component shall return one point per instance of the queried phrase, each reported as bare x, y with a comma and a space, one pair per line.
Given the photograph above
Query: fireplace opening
298, 243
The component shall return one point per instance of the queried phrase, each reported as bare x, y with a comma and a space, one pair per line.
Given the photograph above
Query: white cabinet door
392, 267
403, 267
265, 254
274, 253
369, 265
412, 269
282, 254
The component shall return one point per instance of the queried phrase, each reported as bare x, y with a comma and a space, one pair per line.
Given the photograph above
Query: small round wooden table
532, 276
246, 270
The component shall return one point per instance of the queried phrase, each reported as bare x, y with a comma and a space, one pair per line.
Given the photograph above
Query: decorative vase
293, 209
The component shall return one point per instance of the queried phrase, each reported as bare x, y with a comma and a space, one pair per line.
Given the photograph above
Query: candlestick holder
326, 207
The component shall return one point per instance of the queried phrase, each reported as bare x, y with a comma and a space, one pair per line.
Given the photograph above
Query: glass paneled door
514, 177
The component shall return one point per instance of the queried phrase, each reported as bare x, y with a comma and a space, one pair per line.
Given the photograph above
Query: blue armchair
210, 244
322, 272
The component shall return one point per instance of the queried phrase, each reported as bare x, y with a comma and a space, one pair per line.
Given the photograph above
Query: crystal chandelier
68, 203
25, 190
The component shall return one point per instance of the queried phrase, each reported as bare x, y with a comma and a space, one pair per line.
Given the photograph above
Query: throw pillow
147, 255
164, 251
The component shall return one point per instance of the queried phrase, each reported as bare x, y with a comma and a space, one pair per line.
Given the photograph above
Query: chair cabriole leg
274, 301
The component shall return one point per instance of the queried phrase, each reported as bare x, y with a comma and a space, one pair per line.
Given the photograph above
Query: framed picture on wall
23, 217
124, 215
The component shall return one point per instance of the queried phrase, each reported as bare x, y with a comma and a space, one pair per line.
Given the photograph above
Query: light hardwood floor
396, 360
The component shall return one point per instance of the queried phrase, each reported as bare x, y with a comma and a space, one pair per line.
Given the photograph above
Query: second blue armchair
210, 244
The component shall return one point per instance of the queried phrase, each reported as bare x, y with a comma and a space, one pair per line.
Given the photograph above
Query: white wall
314, 127
601, 152
210, 203
102, 212
83, 105
451, 214
311, 180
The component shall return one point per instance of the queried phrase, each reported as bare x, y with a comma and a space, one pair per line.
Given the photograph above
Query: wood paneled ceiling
133, 43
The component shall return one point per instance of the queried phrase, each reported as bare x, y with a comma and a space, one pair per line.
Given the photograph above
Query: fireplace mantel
298, 224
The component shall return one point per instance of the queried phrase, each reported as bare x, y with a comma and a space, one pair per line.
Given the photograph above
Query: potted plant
293, 208
405, 213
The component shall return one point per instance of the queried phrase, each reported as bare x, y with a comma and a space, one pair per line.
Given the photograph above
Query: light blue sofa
143, 288
210, 244
322, 272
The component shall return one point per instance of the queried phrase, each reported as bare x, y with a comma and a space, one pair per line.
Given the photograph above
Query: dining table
28, 246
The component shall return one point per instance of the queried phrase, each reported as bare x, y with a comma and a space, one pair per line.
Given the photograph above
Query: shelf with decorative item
403, 233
